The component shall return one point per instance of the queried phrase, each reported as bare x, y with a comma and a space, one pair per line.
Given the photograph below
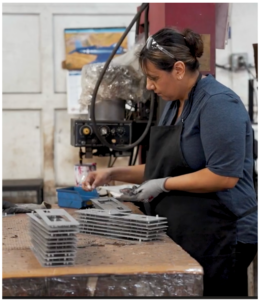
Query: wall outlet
238, 61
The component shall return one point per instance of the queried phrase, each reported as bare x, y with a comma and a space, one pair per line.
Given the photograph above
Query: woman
198, 172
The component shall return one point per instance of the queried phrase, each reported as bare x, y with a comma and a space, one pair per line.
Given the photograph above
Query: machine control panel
114, 132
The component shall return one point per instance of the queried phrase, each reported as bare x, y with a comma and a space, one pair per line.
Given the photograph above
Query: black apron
200, 223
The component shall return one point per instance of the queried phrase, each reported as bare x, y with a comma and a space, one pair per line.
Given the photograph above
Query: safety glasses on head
152, 44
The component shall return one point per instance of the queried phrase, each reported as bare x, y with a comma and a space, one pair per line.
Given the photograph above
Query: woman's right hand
96, 178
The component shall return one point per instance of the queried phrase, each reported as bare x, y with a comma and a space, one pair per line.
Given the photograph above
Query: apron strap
248, 212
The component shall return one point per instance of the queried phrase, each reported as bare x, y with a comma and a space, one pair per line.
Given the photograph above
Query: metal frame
109, 203
53, 236
45, 215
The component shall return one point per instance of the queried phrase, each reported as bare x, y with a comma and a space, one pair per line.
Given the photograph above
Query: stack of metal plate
110, 203
119, 225
53, 236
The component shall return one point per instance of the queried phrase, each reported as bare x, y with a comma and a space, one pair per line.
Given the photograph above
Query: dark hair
185, 46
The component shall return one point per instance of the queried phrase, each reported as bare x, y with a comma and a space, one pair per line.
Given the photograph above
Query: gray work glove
147, 191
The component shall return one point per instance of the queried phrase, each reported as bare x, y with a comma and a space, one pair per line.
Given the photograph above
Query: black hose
146, 24
146, 27
103, 141
136, 156
114, 161
131, 157
137, 26
138, 22
110, 160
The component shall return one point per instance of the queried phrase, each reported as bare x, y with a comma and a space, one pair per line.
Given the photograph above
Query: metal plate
119, 231
53, 233
54, 259
55, 249
124, 228
52, 243
109, 203
51, 263
60, 241
123, 223
45, 236
109, 234
34, 219
56, 217
122, 216
56, 255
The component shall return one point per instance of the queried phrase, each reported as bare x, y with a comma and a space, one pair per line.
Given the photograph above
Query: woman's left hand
147, 191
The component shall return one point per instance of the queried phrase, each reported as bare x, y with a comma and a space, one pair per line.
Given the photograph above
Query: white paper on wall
74, 90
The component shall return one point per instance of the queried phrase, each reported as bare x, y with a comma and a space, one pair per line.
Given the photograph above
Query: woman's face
165, 84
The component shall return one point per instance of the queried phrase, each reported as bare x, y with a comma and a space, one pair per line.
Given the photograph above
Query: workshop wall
243, 18
36, 126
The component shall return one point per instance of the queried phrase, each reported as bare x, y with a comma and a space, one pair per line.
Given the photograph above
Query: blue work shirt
217, 135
